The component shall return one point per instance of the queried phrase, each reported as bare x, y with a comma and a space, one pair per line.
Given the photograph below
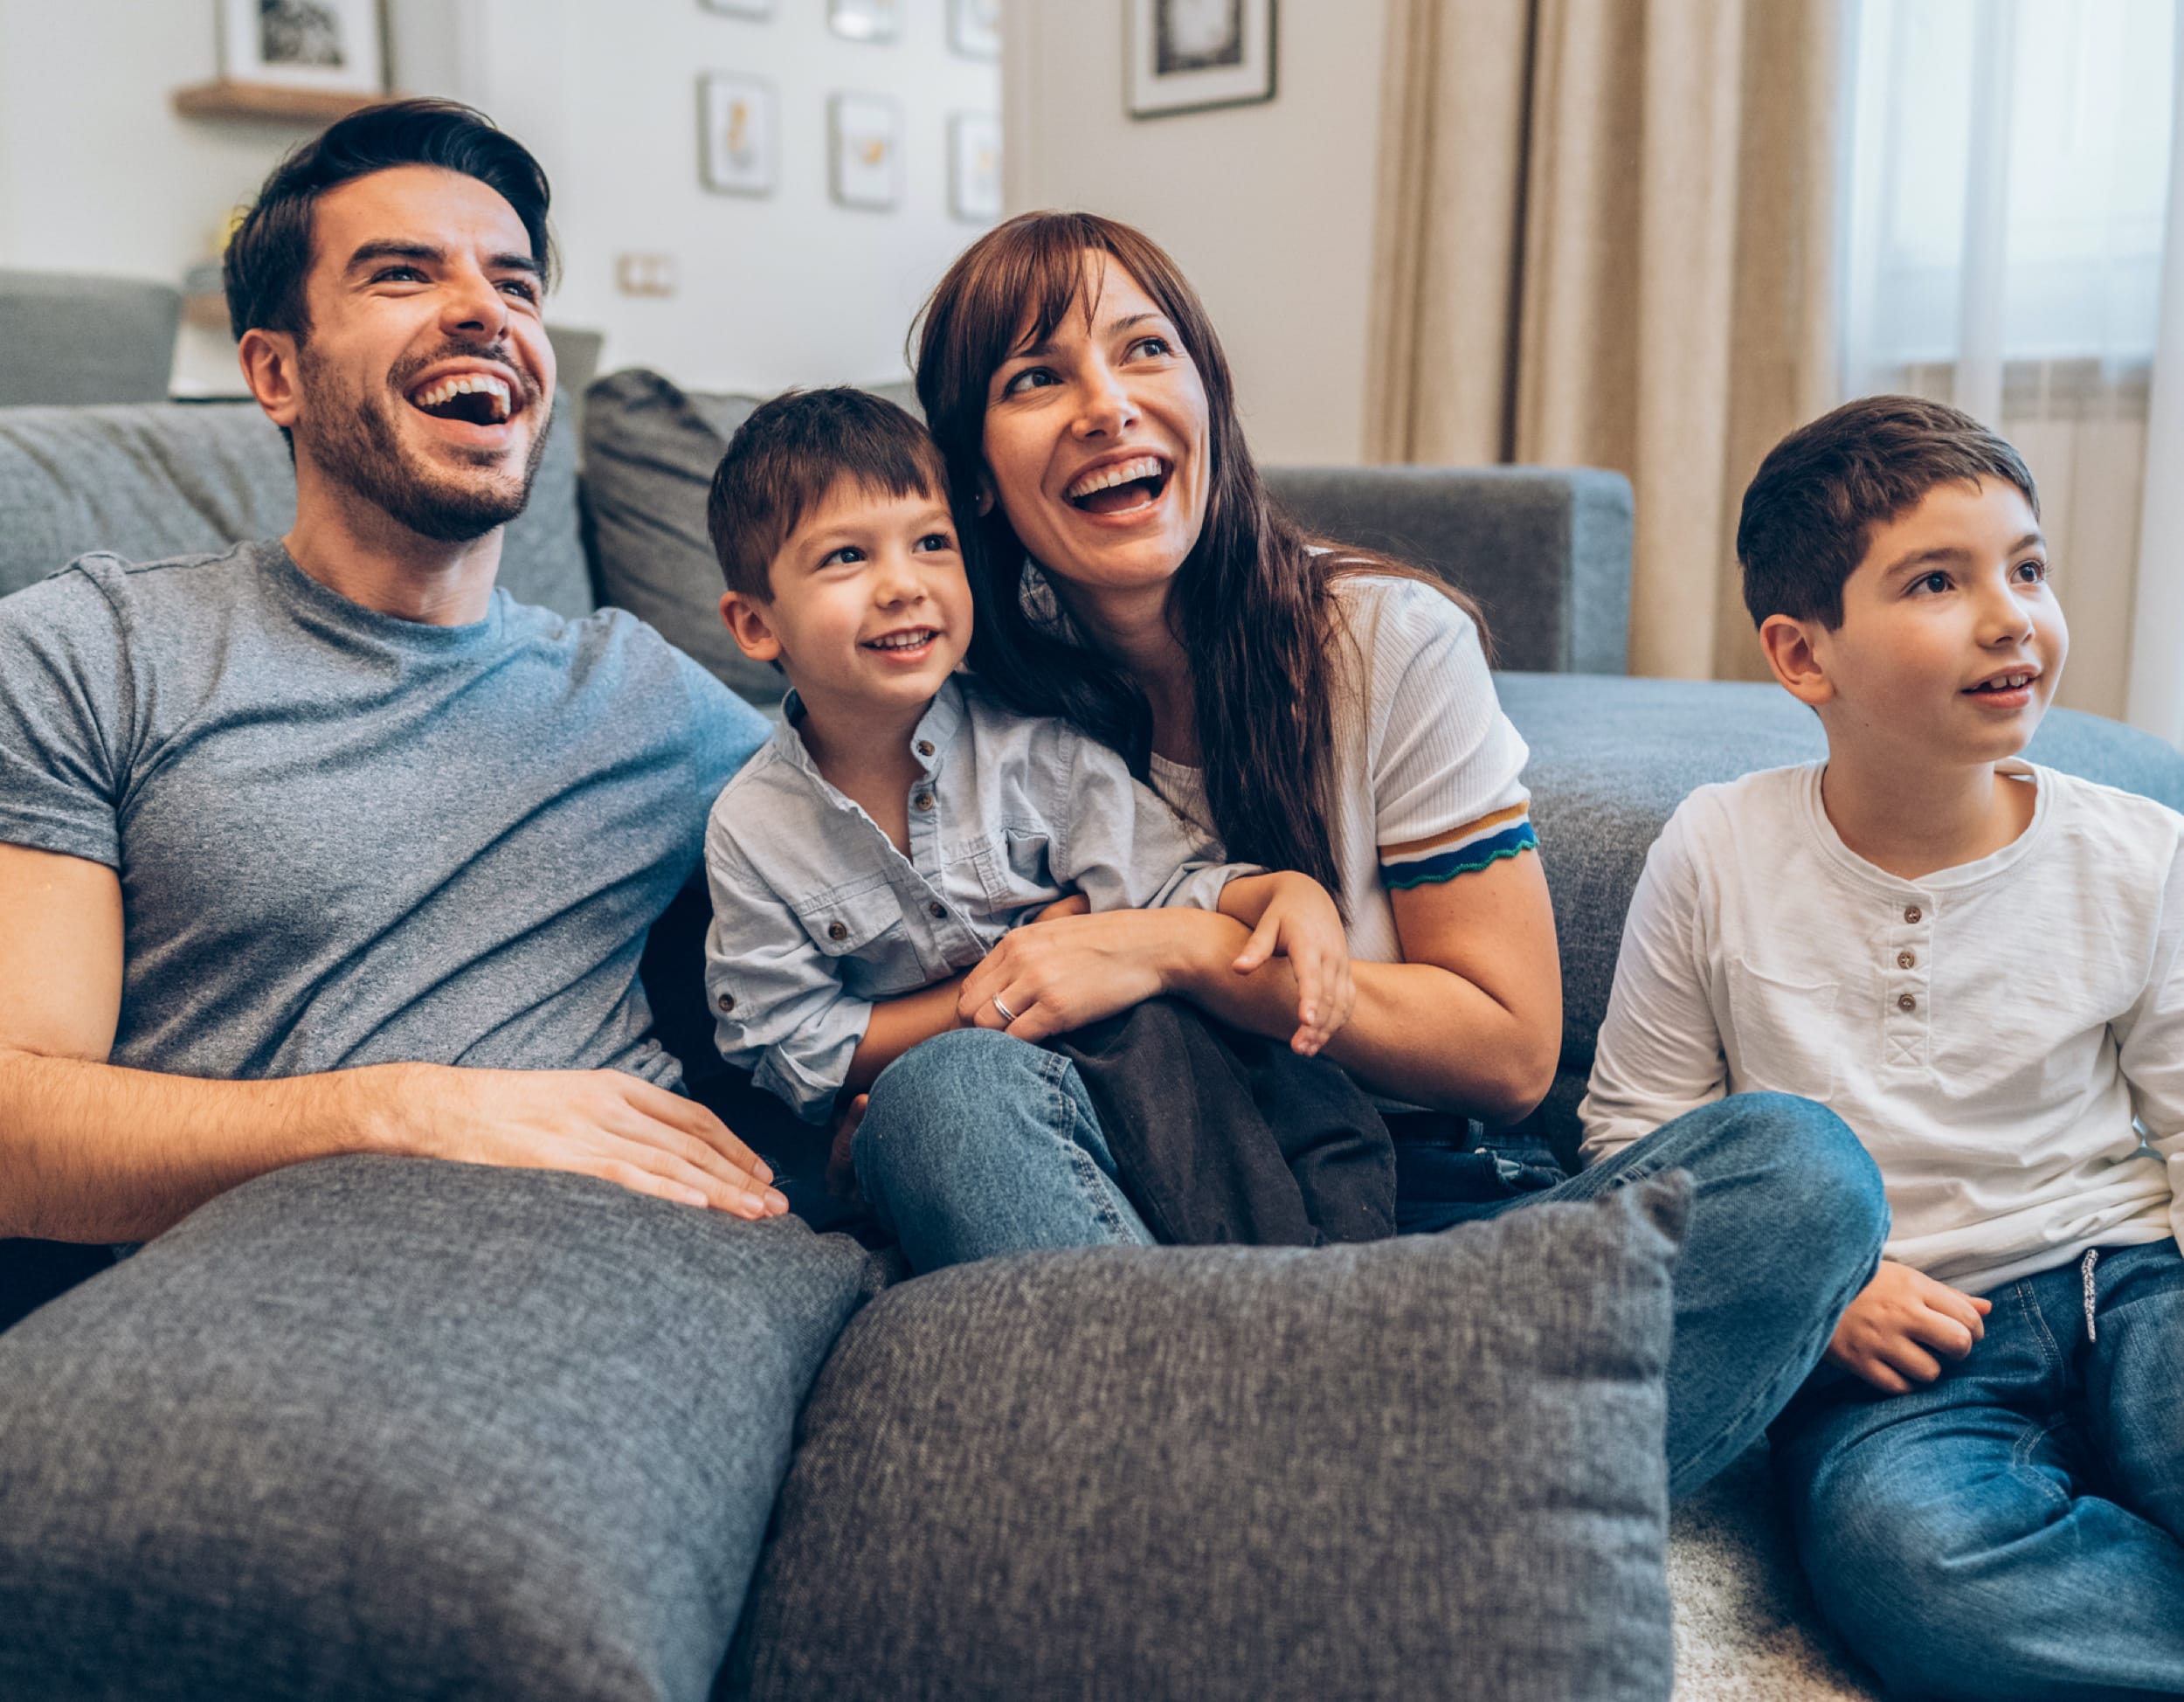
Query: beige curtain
1606, 236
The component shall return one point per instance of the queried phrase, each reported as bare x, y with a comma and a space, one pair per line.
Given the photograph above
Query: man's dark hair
1810, 511
269, 254
784, 458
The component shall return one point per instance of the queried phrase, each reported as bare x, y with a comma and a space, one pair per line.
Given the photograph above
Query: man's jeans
975, 1143
2011, 1529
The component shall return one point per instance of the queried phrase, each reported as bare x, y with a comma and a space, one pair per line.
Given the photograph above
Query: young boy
899, 823
1975, 961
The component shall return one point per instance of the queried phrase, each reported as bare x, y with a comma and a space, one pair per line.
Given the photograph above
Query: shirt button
937, 910
1912, 913
924, 801
1905, 1002
835, 931
1905, 959
726, 1001
924, 747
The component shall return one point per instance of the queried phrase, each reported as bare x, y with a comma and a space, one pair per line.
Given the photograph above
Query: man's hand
1885, 1333
1300, 921
597, 1123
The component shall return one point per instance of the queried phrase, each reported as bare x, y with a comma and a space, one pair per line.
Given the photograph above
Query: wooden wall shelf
270, 102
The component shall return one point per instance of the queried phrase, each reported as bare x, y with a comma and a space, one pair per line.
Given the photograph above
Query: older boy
1975, 961
899, 823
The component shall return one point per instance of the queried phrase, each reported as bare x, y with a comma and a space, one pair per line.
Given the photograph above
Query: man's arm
91, 1151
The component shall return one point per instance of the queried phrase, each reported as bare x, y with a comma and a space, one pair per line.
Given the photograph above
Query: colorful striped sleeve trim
1460, 851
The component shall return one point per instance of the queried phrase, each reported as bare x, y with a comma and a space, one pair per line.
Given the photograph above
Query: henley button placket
1907, 945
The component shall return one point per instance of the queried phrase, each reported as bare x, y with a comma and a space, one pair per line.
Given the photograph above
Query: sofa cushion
178, 479
1611, 759
373, 1428
1424, 1466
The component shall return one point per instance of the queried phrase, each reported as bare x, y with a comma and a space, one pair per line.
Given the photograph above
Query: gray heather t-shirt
346, 838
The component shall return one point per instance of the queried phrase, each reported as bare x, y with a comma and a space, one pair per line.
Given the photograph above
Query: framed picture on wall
974, 28
864, 133
1187, 55
740, 8
337, 44
739, 128
865, 20
974, 166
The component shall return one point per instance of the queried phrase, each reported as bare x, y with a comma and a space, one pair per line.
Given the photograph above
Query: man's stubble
356, 442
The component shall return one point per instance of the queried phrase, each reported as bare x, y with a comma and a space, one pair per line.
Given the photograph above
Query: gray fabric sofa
372, 1429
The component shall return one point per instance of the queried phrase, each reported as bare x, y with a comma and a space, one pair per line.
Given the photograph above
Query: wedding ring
1007, 1015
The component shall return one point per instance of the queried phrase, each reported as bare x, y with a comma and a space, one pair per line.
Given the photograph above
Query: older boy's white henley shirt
1989, 1031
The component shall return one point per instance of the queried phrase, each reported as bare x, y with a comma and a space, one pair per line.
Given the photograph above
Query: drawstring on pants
2085, 1270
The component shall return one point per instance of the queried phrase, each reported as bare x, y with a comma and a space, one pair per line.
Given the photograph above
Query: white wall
782, 290
1267, 209
98, 174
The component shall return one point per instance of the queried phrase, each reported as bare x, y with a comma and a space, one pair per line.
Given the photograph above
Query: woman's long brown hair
1251, 605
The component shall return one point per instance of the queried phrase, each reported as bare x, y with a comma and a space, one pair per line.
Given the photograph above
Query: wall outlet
645, 275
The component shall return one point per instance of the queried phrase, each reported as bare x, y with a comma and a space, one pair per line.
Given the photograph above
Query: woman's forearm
1419, 1032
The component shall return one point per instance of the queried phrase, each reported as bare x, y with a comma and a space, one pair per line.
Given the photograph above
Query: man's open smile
472, 401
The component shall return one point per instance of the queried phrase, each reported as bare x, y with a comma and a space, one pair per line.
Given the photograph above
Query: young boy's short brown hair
784, 458
1810, 511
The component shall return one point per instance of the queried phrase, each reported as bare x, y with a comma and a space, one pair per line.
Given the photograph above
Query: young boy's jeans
975, 1143
2011, 1529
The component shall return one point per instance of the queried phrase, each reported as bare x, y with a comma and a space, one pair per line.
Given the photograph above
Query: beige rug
1746, 1627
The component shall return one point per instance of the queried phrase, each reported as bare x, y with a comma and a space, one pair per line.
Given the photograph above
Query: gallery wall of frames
747, 193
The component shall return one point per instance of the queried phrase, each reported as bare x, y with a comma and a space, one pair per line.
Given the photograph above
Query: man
324, 845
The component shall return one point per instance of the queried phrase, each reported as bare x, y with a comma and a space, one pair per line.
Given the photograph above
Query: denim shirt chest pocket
864, 930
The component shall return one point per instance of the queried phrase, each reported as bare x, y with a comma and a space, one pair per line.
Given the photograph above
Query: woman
1319, 709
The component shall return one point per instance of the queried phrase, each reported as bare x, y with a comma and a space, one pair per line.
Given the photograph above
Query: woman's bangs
1051, 270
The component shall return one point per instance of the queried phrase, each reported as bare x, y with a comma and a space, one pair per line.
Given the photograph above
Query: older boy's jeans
975, 1143
2012, 1529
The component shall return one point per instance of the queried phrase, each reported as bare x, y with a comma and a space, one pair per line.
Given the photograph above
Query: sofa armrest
1546, 551
70, 340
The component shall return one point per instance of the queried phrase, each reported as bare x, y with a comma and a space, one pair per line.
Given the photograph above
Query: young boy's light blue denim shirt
816, 915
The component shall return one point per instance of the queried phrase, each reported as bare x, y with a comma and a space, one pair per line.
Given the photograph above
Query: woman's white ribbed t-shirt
1429, 770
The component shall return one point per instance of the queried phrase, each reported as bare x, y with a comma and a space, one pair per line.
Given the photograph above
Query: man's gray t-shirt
346, 838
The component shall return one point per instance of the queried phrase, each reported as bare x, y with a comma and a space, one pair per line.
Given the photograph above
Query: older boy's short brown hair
1810, 511
784, 458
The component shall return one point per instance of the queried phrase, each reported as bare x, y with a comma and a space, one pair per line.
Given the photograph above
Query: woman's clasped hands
1070, 968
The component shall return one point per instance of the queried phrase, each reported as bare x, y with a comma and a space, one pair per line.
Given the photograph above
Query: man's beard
358, 446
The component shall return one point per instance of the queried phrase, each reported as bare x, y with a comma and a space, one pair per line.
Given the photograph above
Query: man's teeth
903, 640
464, 383
1145, 466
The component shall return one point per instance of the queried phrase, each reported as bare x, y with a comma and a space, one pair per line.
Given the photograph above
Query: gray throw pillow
377, 1428
649, 452
1424, 1467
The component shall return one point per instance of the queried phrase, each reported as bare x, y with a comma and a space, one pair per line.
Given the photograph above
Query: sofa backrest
171, 478
1546, 550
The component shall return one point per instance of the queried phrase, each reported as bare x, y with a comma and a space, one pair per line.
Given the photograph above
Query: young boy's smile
1951, 641
870, 607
